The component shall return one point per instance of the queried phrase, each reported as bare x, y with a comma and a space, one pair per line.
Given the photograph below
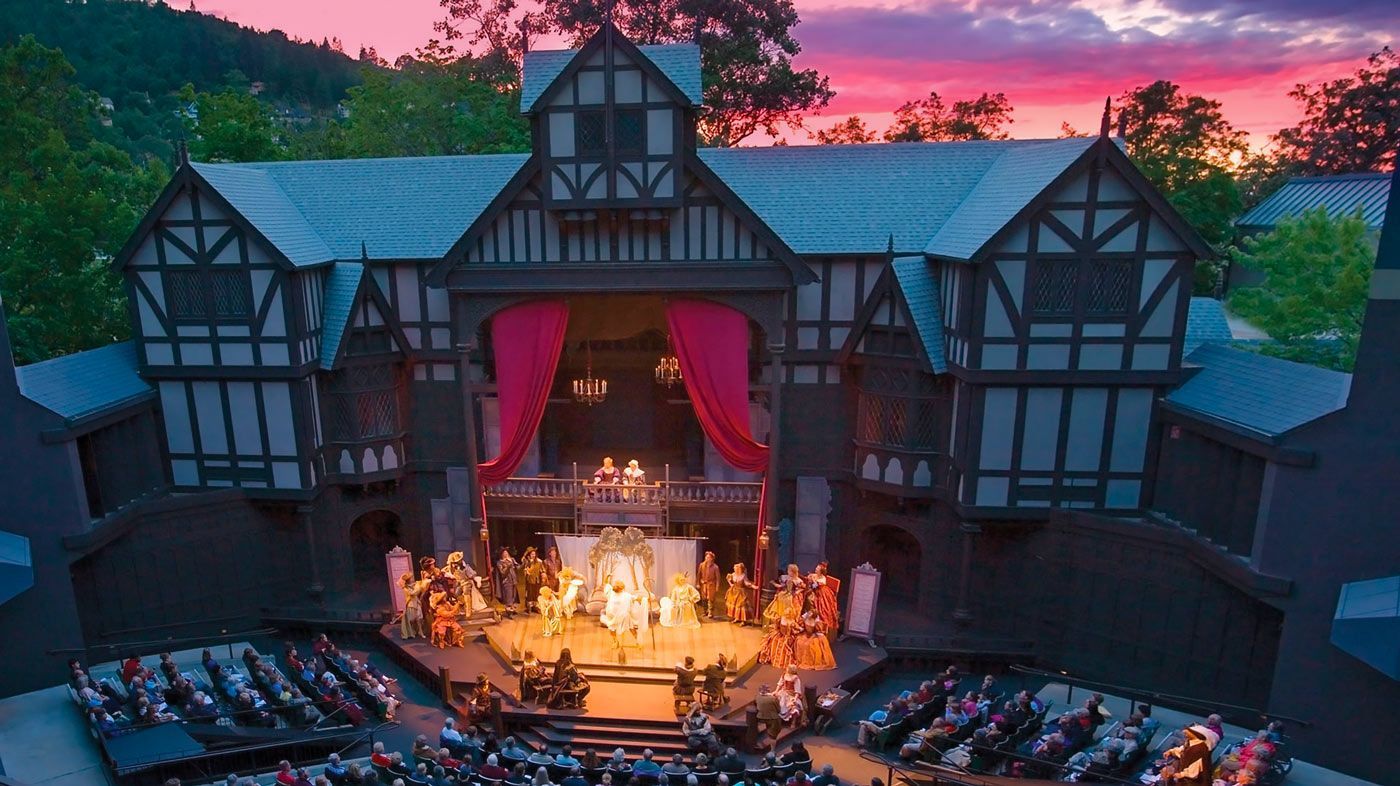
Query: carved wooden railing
582, 492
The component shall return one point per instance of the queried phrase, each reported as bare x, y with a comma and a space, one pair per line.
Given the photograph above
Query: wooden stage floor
660, 648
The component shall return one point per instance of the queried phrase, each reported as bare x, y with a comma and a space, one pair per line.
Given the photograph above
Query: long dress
552, 614
506, 591
412, 611
779, 644
569, 585
792, 705
678, 608
824, 600
736, 599
617, 612
787, 600
813, 650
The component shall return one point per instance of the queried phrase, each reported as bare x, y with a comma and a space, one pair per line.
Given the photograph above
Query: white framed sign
861, 599
398, 562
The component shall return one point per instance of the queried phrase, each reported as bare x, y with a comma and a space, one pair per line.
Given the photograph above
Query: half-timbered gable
613, 121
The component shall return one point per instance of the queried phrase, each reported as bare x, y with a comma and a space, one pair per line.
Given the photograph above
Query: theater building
965, 360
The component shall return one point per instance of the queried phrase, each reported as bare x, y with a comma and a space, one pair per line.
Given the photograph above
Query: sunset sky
1056, 60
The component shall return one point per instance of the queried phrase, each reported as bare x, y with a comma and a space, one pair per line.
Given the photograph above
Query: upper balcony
654, 506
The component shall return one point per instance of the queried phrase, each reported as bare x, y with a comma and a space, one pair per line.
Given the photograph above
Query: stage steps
634, 735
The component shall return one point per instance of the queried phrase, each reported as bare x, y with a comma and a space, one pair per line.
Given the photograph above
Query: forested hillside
139, 54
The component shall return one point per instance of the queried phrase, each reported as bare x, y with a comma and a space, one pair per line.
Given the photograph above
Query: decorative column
481, 556
317, 590
962, 614
775, 430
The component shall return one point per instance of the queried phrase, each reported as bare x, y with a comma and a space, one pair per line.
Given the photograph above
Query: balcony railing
652, 495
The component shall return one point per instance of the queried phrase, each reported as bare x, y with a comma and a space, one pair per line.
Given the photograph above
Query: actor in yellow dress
551, 612
678, 607
736, 599
788, 600
812, 648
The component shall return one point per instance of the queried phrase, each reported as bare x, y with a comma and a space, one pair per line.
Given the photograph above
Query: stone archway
899, 557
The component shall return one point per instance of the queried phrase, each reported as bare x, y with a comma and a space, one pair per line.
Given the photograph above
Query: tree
746, 50
67, 204
930, 120
851, 131
1186, 147
230, 126
1350, 124
1316, 275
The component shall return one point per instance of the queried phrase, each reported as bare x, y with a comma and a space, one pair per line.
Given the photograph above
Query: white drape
672, 556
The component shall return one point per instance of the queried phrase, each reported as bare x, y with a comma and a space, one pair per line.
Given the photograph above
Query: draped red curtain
712, 344
527, 339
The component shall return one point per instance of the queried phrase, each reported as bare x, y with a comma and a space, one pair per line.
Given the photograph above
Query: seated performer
699, 732
551, 612
812, 648
634, 475
447, 631
792, 702
607, 474
570, 584
712, 690
534, 682
736, 599
569, 685
479, 700
779, 643
678, 607
684, 686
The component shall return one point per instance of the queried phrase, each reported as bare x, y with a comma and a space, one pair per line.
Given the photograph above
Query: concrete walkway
44, 741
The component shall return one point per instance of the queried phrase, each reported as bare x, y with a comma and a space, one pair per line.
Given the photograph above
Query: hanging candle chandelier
588, 390
668, 369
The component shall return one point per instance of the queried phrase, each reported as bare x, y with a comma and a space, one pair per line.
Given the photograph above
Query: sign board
860, 603
397, 563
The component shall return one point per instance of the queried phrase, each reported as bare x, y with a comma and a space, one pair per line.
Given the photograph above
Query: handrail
1170, 698
582, 491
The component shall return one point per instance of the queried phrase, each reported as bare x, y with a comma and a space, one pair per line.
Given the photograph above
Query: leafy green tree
746, 50
930, 120
1186, 147
230, 126
1316, 274
67, 204
1350, 124
851, 131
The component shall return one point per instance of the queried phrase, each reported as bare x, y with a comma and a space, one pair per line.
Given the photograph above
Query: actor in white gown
570, 584
624, 613
678, 607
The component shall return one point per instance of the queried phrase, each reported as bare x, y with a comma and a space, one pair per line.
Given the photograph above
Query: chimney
1375, 384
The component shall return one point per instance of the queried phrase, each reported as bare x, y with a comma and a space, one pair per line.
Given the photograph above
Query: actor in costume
788, 599
736, 599
1189, 764
699, 732
552, 565
607, 474
707, 581
779, 643
506, 590
683, 689
531, 576
678, 607
824, 596
812, 648
467, 582
550, 612
618, 616
634, 475
479, 701
570, 584
792, 703
712, 689
447, 631
428, 572
534, 682
567, 682
412, 624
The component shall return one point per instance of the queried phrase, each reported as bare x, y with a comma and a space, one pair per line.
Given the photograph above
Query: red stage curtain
712, 343
527, 339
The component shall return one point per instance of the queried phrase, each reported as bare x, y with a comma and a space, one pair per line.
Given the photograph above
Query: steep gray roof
920, 291
341, 285
1205, 322
1340, 194
850, 199
84, 383
679, 62
1258, 393
400, 208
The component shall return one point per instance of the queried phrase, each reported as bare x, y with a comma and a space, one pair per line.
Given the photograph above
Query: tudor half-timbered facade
959, 353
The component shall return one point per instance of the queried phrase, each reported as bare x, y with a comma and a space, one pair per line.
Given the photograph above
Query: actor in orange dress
812, 648
779, 645
736, 600
824, 596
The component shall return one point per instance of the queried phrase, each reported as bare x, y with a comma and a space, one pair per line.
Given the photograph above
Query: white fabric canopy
671, 556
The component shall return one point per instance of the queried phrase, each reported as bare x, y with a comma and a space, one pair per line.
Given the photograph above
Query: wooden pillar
317, 590
775, 431
962, 613
445, 685
481, 548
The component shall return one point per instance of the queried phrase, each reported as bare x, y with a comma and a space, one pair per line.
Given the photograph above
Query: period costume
792, 704
736, 599
634, 475
823, 595
412, 625
465, 579
779, 643
531, 576
607, 474
570, 584
552, 565
447, 631
707, 581
479, 702
534, 682
788, 599
568, 682
550, 612
506, 575
678, 607
713, 685
684, 686
812, 649
620, 614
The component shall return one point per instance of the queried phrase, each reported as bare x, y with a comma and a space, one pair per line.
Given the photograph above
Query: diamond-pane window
193, 292
1109, 285
590, 133
186, 294
233, 298
1053, 287
631, 137
364, 403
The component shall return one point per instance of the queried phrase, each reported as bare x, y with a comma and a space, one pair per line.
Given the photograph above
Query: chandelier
668, 369
588, 390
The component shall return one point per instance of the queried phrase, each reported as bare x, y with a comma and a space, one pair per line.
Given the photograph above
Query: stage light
588, 390
485, 533
763, 541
